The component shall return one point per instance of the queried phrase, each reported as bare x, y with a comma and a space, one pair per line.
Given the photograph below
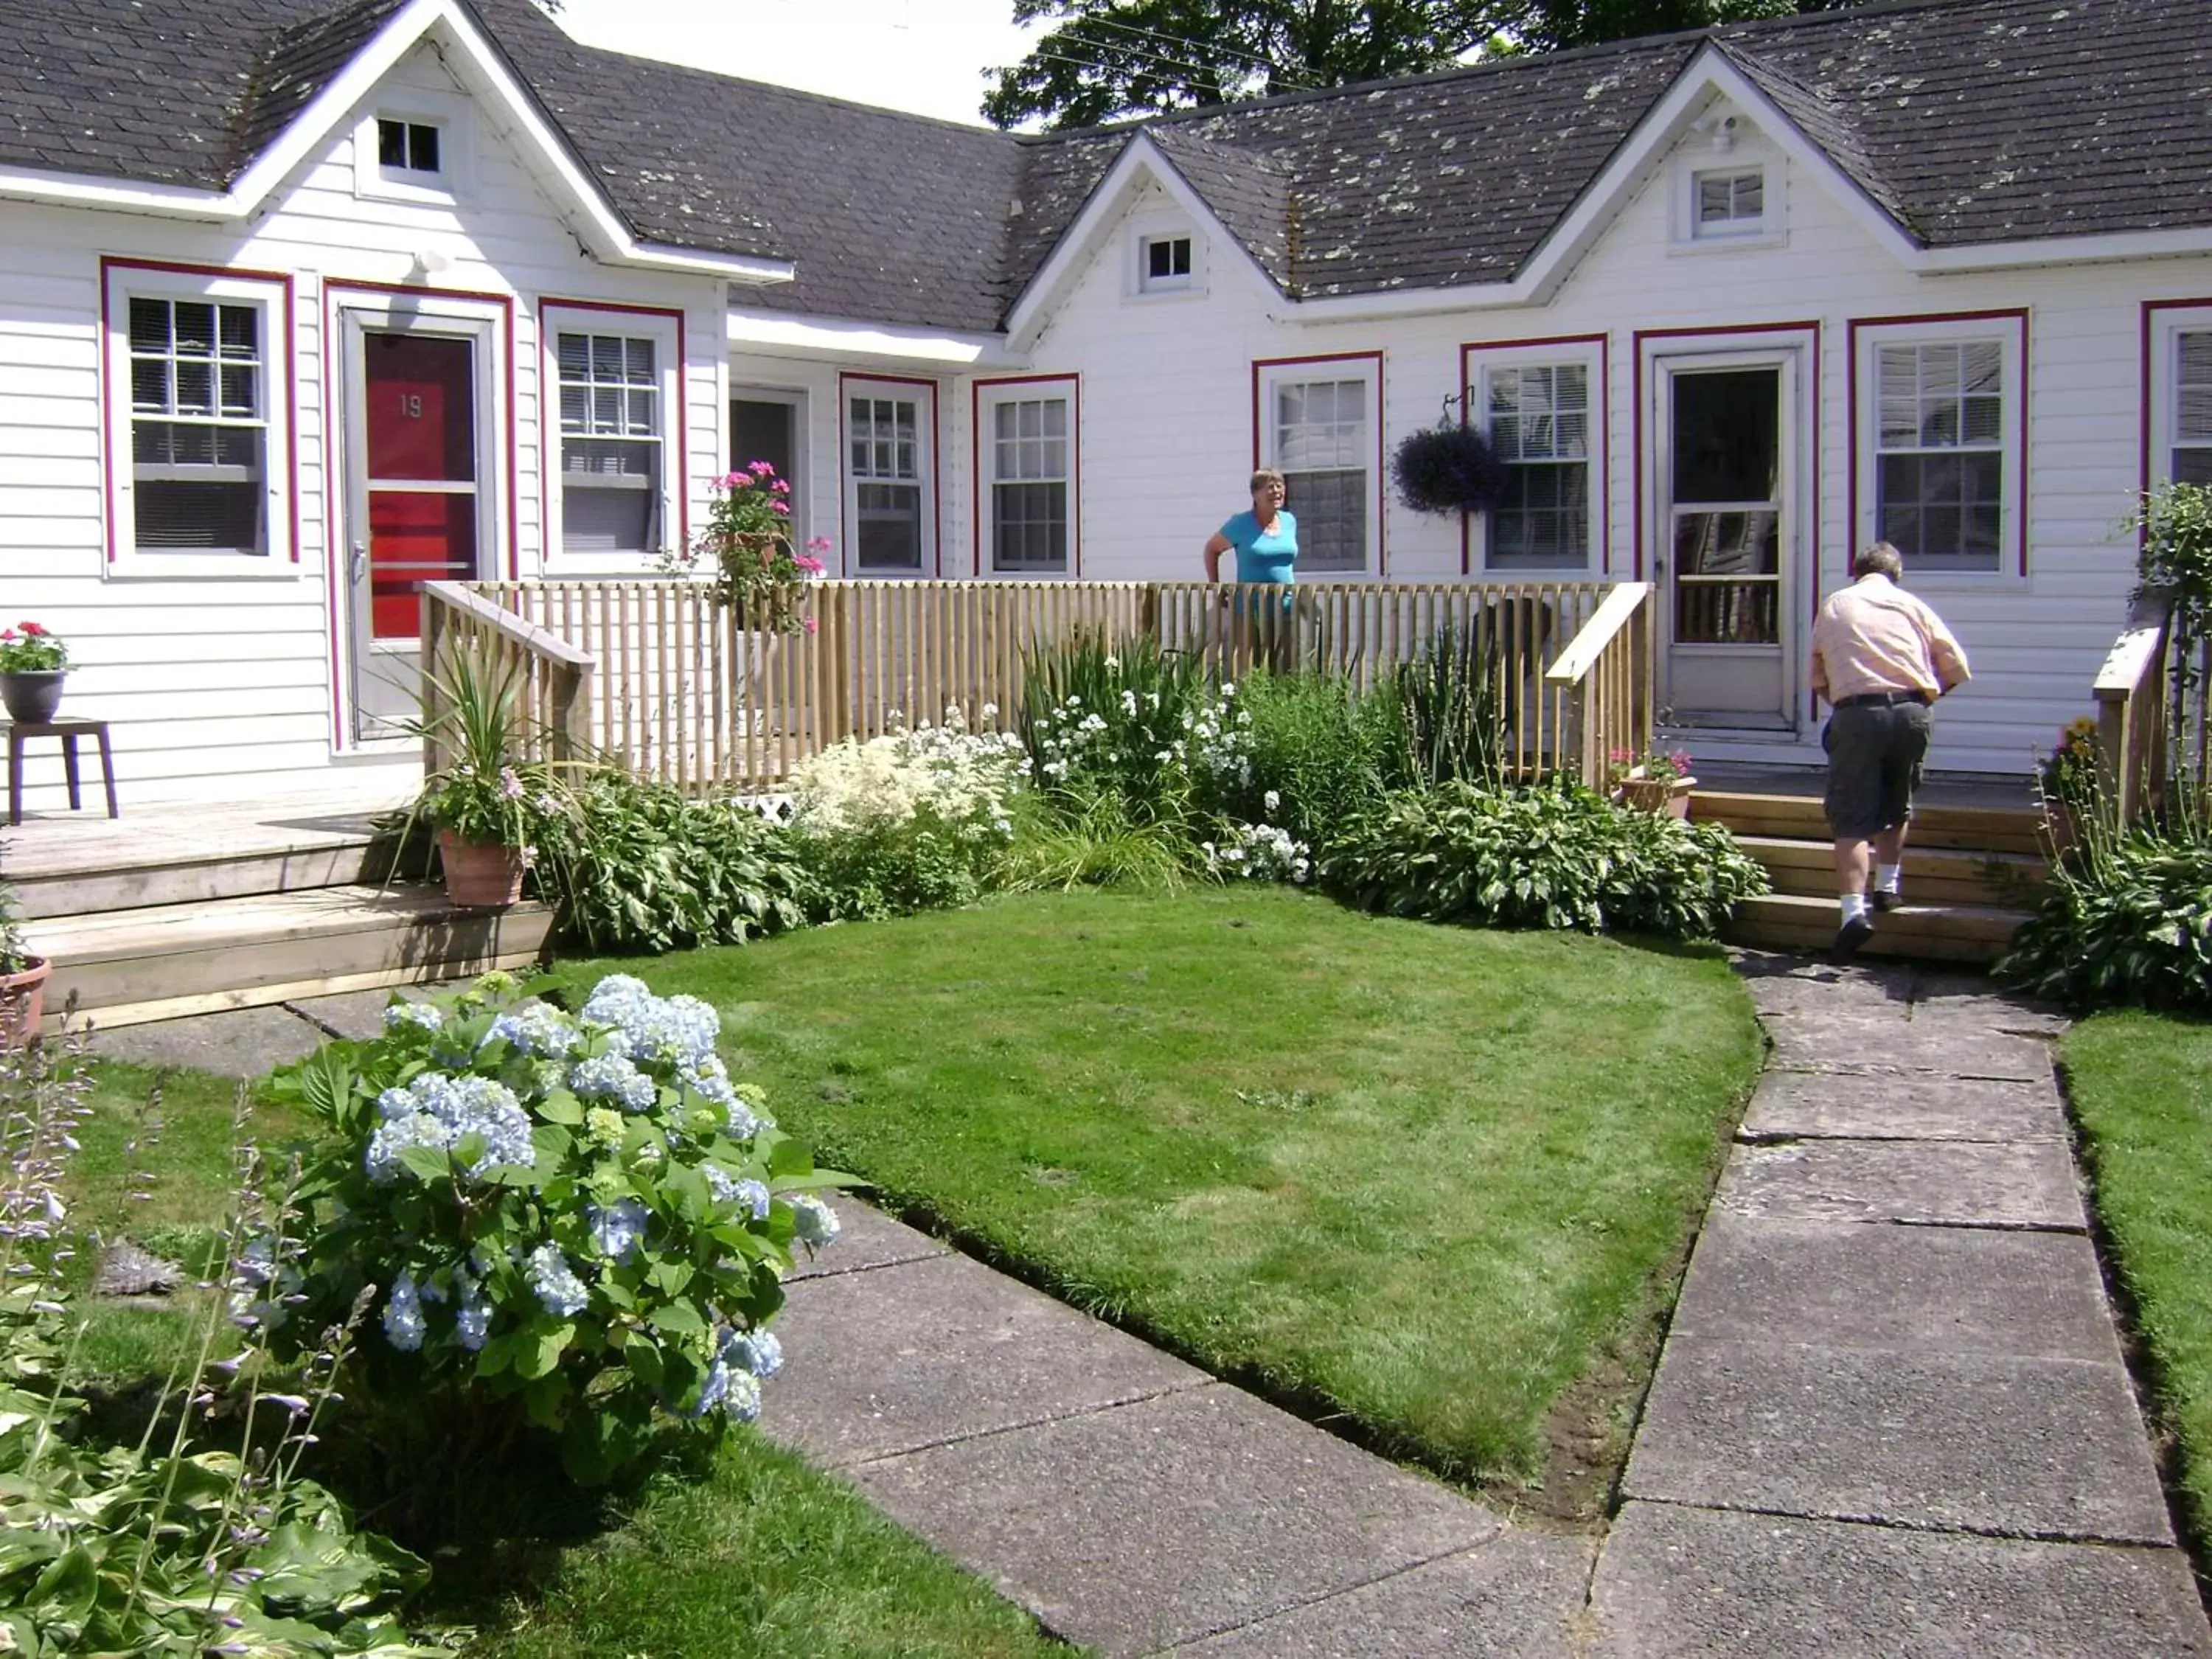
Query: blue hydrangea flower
618, 1229
737, 1393
760, 1352
402, 1315
748, 1194
816, 1222
472, 1323
539, 1030
426, 1016
555, 1282
679, 1030
615, 1077
618, 999
439, 1111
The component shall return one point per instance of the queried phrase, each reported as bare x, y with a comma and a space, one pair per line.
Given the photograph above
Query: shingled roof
1967, 121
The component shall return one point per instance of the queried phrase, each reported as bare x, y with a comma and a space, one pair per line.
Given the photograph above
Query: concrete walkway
1891, 1416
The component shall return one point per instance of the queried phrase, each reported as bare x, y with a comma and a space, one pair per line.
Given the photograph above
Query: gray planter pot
32, 696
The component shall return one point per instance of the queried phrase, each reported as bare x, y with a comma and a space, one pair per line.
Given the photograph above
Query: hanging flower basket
1449, 469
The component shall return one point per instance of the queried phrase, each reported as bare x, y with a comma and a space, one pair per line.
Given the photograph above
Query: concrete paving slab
355, 1014
1974, 1000
866, 1238
2043, 1447
1675, 1582
1956, 1183
1813, 1040
1934, 1290
945, 1349
1795, 985
1866, 1106
237, 1042
1148, 1525
1521, 1597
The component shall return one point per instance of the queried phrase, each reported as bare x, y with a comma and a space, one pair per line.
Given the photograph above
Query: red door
421, 473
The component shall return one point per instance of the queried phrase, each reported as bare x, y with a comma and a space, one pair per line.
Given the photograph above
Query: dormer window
1728, 201
407, 151
1165, 264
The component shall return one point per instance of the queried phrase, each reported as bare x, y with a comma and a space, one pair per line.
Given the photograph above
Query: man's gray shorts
1874, 752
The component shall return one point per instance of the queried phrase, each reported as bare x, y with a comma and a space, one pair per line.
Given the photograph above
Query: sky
924, 56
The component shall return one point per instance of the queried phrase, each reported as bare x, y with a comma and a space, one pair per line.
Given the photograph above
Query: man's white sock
1855, 904
1886, 877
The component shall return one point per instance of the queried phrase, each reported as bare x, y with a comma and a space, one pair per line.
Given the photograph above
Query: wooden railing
2134, 717
1604, 675
700, 696
552, 678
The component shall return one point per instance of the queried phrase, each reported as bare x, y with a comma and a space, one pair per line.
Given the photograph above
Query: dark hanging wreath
1449, 469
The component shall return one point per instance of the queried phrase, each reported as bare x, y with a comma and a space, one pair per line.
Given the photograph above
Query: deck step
1932, 875
145, 880
2015, 829
1976, 933
164, 961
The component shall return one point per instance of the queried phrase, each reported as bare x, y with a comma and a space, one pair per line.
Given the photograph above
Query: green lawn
2142, 1085
765, 1556
1432, 1180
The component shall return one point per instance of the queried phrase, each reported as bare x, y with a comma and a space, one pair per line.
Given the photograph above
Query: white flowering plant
914, 819
1125, 718
581, 1220
1258, 851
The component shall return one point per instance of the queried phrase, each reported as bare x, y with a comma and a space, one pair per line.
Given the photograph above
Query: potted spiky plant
486, 798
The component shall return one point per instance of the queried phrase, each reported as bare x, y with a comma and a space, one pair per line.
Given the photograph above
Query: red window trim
1074, 383
2151, 310
845, 549
1468, 351
1381, 494
549, 435
109, 263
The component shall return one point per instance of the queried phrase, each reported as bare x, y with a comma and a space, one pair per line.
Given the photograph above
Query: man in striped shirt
1880, 658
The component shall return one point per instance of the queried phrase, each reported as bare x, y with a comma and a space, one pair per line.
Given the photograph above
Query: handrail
555, 676
539, 641
2132, 714
1606, 676
1583, 650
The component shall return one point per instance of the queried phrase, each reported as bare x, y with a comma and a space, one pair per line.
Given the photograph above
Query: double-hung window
1028, 432
1540, 422
198, 438
2191, 458
1319, 421
613, 441
890, 501
1945, 469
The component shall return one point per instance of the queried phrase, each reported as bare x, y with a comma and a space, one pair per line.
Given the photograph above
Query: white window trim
802, 472
568, 317
1369, 371
990, 396
2168, 325
281, 560
451, 115
2011, 333
924, 396
1145, 229
1722, 141
1482, 360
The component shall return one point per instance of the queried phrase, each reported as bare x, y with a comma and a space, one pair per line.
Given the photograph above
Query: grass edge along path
2140, 1088
1431, 1187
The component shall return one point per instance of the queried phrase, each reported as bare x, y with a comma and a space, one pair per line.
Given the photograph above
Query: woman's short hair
1268, 475
1879, 558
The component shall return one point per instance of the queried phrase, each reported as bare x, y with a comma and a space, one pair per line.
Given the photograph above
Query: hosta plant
578, 1221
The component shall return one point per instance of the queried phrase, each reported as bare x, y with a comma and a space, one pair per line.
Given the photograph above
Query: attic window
407, 149
1728, 201
1164, 264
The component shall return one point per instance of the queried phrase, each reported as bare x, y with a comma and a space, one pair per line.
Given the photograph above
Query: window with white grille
1540, 419
611, 441
408, 150
1029, 466
2192, 413
199, 432
888, 472
1941, 465
1728, 202
1320, 435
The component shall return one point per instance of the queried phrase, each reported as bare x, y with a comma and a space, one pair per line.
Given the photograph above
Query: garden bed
1432, 1186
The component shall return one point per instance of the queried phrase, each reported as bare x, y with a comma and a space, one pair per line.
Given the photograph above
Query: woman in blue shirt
1266, 543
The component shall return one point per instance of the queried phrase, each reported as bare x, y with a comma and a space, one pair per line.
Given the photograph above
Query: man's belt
1882, 699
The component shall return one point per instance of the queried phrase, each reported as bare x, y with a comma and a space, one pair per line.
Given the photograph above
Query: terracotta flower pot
23, 1003
1667, 797
31, 694
481, 876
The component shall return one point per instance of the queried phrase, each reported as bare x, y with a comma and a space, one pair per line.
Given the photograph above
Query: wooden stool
69, 732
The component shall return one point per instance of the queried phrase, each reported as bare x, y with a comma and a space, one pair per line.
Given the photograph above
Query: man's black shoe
1849, 936
1885, 898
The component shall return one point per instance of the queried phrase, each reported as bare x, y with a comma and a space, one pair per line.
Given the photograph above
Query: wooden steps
198, 880
1973, 874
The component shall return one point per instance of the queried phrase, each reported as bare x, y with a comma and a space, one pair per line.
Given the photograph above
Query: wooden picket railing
552, 679
712, 699
1604, 677
2134, 717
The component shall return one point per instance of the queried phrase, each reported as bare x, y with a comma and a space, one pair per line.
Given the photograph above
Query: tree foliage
1107, 58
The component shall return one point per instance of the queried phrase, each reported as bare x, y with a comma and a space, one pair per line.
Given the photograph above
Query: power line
1154, 60
1260, 59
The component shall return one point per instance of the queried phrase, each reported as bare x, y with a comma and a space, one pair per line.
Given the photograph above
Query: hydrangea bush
581, 1218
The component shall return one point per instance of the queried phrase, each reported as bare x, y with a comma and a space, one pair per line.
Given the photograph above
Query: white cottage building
302, 303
